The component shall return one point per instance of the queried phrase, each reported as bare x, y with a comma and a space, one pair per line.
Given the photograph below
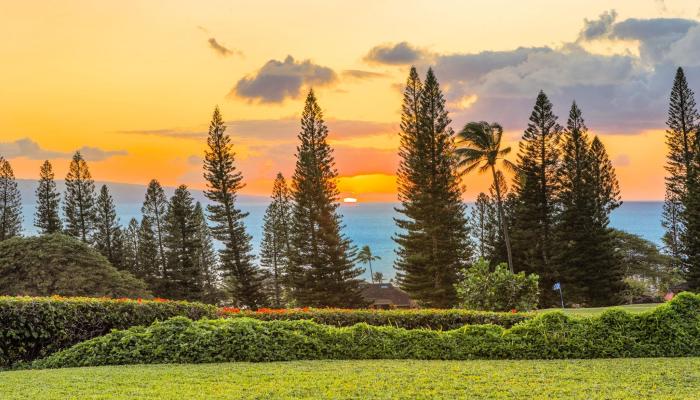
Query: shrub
498, 290
408, 319
671, 330
61, 265
33, 327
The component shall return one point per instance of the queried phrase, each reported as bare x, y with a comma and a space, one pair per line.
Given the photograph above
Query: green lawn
634, 308
575, 379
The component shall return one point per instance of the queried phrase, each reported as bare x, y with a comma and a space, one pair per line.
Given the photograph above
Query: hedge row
671, 330
33, 327
408, 319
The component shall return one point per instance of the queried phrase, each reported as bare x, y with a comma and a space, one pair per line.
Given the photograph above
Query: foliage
108, 238
224, 180
620, 379
440, 319
483, 226
79, 200
479, 146
433, 237
671, 330
323, 271
59, 264
275, 246
33, 327
183, 279
641, 260
10, 202
46, 218
499, 290
535, 187
154, 209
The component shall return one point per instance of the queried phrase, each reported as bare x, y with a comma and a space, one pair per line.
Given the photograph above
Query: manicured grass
669, 378
633, 308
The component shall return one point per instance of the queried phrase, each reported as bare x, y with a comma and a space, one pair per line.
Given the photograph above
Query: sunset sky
133, 83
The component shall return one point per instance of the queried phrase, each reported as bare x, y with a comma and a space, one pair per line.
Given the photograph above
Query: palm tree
479, 146
365, 256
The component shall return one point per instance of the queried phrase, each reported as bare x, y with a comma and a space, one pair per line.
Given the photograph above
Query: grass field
633, 308
575, 379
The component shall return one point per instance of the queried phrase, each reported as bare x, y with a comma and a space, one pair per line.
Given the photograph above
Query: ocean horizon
372, 224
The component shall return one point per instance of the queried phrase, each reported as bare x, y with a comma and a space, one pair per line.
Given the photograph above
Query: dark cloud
362, 75
594, 29
30, 149
395, 54
619, 93
222, 50
279, 80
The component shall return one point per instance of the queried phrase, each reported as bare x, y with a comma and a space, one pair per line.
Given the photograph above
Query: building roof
386, 294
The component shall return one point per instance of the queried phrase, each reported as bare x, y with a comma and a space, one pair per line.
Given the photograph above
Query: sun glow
349, 200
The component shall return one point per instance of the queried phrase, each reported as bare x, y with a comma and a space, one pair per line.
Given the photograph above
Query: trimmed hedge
408, 319
33, 327
671, 330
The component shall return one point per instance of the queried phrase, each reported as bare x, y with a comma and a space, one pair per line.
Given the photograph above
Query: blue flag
557, 286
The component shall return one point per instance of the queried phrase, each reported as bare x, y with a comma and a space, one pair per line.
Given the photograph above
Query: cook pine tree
79, 200
205, 258
275, 245
323, 271
183, 278
154, 208
681, 213
47, 217
433, 239
10, 202
108, 238
243, 278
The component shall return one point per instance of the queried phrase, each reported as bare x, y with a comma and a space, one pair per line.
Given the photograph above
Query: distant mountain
125, 192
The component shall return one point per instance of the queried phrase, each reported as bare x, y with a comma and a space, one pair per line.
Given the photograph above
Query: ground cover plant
629, 379
33, 327
671, 330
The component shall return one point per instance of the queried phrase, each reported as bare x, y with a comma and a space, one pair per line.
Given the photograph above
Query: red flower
513, 311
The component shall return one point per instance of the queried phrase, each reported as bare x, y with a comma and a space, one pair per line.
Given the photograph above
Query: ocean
372, 224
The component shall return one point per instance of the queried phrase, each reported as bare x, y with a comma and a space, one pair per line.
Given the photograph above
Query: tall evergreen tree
150, 268
130, 262
433, 239
671, 220
10, 202
323, 271
205, 258
107, 237
536, 189
182, 279
605, 271
483, 223
47, 218
79, 200
682, 215
223, 183
275, 246
155, 206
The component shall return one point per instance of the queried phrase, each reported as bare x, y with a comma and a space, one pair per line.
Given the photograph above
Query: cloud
96, 154
279, 80
221, 49
362, 75
622, 160
28, 148
395, 54
283, 129
622, 93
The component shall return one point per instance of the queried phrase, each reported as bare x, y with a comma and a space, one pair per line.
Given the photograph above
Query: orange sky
135, 82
